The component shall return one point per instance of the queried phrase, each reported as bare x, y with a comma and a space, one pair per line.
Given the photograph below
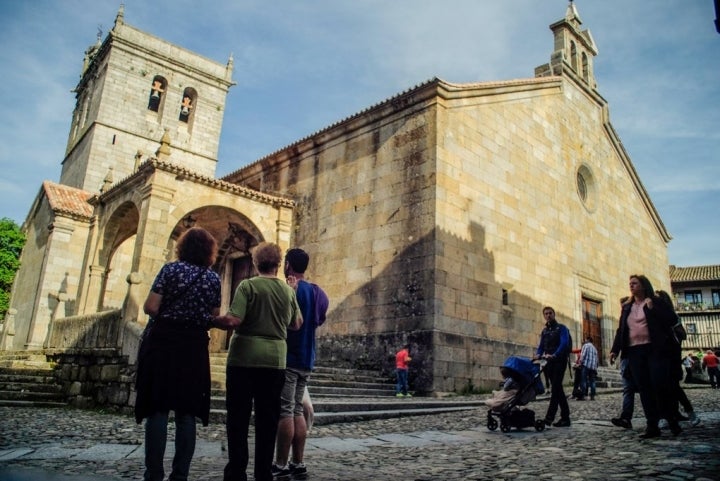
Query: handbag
679, 331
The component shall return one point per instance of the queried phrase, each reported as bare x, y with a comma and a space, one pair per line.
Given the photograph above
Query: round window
586, 187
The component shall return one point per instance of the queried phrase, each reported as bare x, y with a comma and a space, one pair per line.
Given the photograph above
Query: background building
697, 296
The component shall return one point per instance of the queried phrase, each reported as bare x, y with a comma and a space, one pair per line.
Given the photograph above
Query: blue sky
301, 65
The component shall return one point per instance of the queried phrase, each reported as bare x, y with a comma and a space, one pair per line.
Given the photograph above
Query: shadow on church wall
452, 348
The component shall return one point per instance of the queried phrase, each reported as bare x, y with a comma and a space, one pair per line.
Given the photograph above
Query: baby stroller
523, 377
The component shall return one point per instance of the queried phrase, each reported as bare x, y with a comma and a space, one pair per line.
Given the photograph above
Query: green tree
12, 241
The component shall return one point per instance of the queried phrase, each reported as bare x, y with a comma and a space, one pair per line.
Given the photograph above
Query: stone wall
95, 377
90, 365
46, 286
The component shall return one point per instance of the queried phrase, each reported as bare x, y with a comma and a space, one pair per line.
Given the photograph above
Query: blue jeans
588, 381
402, 381
629, 390
155, 440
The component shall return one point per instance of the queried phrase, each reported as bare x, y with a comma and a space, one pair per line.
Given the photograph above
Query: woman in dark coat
173, 362
645, 338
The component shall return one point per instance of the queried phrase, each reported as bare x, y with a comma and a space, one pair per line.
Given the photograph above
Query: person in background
576, 376
402, 359
688, 362
555, 347
588, 361
173, 362
710, 362
264, 307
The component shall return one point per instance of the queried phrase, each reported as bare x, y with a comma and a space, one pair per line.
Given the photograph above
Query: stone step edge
32, 404
325, 418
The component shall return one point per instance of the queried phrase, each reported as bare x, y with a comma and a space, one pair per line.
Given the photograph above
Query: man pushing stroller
554, 347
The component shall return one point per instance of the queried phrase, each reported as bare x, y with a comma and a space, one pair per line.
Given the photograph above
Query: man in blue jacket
555, 347
292, 428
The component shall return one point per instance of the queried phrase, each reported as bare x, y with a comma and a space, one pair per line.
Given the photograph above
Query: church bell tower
136, 89
574, 50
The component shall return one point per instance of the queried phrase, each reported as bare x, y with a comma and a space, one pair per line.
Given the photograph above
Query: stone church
446, 216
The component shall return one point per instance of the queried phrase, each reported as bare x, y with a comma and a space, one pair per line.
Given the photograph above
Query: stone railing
99, 330
95, 357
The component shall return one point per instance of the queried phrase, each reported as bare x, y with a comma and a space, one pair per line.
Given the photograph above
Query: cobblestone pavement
64, 444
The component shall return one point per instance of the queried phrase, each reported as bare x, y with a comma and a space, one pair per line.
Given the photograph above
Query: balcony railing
696, 306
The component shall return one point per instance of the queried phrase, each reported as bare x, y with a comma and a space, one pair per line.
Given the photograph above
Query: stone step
217, 371
23, 355
334, 391
24, 364
33, 403
329, 411
329, 389
30, 396
609, 377
324, 381
339, 372
325, 404
324, 418
30, 387
27, 379
30, 375
329, 382
342, 376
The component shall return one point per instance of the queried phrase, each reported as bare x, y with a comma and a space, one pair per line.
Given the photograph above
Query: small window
693, 297
573, 56
716, 298
505, 299
586, 188
187, 105
582, 187
585, 67
157, 93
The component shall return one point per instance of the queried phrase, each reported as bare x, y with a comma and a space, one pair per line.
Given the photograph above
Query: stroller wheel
539, 425
492, 423
505, 428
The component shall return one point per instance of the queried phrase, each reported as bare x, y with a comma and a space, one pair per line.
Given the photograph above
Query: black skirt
173, 373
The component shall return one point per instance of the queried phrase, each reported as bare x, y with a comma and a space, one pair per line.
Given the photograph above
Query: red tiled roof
697, 273
68, 200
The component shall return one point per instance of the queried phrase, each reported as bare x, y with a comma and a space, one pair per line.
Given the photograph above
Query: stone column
95, 288
134, 298
8, 333
284, 227
61, 298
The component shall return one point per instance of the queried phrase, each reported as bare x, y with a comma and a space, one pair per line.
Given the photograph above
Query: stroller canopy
524, 372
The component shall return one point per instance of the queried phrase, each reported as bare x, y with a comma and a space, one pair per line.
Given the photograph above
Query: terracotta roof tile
696, 273
68, 200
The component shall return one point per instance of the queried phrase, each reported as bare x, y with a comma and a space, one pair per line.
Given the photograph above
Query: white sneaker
694, 419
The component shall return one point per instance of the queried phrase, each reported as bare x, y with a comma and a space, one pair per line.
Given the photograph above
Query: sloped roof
68, 200
693, 274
